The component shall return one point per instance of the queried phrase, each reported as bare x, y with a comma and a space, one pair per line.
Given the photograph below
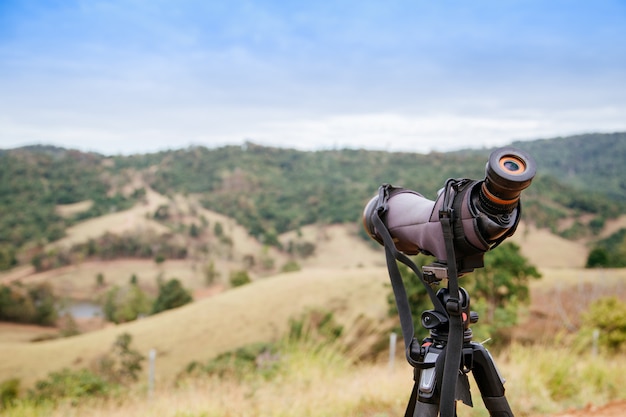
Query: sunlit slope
199, 331
546, 250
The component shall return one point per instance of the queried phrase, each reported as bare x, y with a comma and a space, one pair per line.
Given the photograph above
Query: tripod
443, 360
429, 361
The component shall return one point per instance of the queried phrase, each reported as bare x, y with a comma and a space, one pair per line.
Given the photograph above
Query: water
82, 309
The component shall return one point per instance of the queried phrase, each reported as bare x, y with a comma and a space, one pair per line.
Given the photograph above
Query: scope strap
399, 291
452, 363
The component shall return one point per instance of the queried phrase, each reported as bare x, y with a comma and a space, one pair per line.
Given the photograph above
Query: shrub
172, 294
7, 258
122, 305
598, 258
122, 364
608, 315
9, 391
34, 304
239, 278
290, 266
315, 326
256, 358
70, 385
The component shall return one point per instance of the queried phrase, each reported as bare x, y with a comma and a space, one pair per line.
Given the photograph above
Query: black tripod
429, 361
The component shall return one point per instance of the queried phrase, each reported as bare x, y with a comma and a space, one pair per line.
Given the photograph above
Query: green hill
580, 185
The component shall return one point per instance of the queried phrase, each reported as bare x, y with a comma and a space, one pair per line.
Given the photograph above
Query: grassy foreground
316, 381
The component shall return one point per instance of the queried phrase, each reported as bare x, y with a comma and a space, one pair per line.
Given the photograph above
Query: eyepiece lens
513, 165
508, 172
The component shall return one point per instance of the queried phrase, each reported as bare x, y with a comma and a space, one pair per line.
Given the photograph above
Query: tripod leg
426, 410
490, 383
419, 406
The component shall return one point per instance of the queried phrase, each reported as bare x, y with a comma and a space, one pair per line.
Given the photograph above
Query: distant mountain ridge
595, 162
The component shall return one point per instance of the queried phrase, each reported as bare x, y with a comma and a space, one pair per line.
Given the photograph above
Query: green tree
126, 304
598, 257
19, 308
7, 258
609, 252
129, 359
172, 294
500, 288
109, 304
45, 304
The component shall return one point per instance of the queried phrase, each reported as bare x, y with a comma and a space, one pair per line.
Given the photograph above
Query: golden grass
550, 378
547, 250
201, 330
317, 381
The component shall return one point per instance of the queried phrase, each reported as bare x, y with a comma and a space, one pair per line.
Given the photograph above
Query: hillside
201, 330
271, 191
591, 163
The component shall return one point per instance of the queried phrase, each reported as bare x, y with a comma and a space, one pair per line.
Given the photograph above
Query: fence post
393, 337
152, 360
595, 343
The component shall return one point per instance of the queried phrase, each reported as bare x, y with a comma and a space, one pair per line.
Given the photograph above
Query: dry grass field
199, 331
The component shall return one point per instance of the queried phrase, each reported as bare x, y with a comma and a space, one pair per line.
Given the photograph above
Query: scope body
485, 211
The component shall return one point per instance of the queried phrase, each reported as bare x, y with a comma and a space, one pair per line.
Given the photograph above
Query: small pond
82, 309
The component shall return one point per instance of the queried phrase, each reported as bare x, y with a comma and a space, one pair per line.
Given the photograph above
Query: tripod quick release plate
434, 273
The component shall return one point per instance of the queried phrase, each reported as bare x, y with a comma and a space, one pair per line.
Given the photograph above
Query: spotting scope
485, 212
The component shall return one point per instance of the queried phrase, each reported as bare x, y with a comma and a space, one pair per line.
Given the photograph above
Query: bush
256, 358
34, 304
9, 391
315, 326
122, 305
70, 385
7, 258
290, 266
239, 278
122, 364
608, 315
609, 252
598, 258
171, 295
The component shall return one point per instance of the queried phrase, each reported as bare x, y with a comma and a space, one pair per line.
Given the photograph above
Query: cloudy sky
135, 76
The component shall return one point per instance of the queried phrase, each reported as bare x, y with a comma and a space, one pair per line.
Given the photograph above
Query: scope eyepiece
508, 172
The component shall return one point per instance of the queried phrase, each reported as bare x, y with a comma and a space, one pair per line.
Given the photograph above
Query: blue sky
146, 75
